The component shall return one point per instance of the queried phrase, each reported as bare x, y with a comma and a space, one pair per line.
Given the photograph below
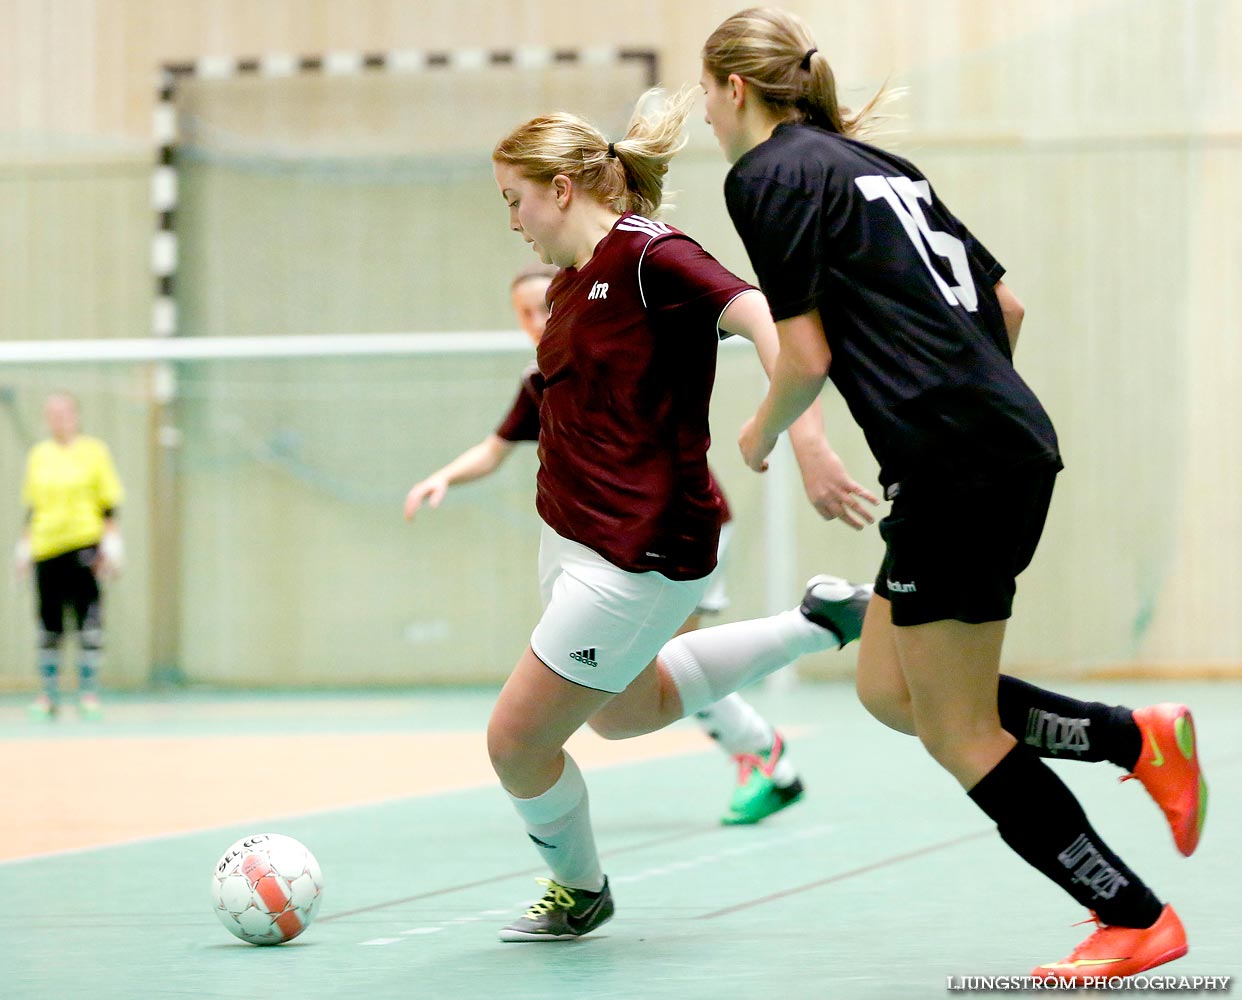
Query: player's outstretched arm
797, 379
111, 550
749, 317
473, 463
832, 491
21, 557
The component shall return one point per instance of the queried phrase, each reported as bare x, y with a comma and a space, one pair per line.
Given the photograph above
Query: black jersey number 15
903, 196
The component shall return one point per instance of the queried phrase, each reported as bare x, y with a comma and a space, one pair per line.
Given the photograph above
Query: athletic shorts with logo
602, 625
716, 597
956, 554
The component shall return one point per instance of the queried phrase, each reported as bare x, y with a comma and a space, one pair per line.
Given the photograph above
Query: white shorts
716, 598
602, 625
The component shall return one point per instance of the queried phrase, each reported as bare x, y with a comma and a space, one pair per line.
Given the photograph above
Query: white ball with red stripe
266, 889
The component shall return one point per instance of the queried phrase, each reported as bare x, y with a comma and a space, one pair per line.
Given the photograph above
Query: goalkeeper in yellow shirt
71, 494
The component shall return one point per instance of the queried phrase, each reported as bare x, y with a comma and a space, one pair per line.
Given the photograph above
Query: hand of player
111, 558
21, 559
431, 489
833, 492
756, 447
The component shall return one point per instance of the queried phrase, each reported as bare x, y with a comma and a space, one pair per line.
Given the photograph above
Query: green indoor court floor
882, 883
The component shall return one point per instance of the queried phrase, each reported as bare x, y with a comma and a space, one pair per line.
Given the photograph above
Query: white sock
559, 824
735, 725
710, 663
738, 728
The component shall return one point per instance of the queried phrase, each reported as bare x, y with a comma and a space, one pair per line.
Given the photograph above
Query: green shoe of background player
757, 795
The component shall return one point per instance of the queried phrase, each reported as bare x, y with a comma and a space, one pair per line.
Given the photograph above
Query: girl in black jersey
874, 284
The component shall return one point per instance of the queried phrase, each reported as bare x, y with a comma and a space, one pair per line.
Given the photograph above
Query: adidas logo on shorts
586, 656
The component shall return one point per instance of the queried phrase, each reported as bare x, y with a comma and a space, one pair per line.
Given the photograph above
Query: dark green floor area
882, 883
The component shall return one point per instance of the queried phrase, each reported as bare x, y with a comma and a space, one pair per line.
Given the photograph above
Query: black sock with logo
1053, 725
1039, 818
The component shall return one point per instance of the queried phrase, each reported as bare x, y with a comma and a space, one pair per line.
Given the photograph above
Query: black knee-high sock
1039, 818
1053, 725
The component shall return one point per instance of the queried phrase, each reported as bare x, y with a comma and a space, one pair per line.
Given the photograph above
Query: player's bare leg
952, 670
536, 713
1054, 725
696, 669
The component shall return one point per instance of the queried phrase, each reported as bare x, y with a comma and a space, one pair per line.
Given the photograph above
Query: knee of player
500, 744
92, 638
50, 640
509, 749
949, 745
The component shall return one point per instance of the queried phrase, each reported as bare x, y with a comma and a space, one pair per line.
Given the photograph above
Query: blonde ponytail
772, 50
627, 175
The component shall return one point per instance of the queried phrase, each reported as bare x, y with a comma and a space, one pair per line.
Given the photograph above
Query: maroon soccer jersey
521, 423
628, 359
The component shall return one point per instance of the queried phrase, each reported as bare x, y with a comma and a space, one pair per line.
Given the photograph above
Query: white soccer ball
266, 889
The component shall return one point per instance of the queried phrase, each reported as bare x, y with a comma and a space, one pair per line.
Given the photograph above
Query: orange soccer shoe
1168, 767
1121, 951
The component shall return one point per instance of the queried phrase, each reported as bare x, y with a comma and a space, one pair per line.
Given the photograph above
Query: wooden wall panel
1093, 144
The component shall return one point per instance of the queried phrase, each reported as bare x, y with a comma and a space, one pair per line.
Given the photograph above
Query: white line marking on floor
759, 846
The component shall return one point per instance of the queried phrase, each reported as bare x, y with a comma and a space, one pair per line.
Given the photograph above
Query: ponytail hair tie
806, 59
612, 151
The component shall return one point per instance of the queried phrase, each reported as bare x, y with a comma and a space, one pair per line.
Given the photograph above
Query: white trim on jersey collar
639, 269
640, 224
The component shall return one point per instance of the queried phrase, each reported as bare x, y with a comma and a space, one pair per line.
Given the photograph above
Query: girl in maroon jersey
875, 284
767, 779
631, 513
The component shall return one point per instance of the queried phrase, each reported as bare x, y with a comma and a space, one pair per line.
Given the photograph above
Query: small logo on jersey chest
599, 290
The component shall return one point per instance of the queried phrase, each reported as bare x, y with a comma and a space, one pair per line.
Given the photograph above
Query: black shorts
957, 555
68, 579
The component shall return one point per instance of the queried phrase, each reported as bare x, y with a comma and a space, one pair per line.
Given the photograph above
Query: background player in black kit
874, 283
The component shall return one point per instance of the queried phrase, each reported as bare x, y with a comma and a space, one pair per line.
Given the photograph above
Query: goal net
265, 479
